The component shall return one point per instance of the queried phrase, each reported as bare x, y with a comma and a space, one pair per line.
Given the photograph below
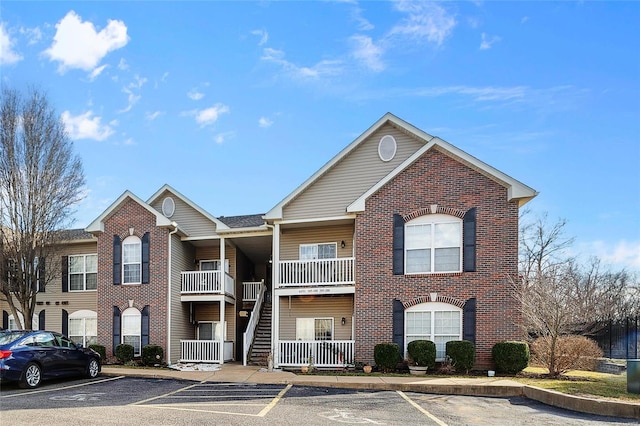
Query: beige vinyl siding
182, 256
336, 307
213, 253
188, 219
291, 239
211, 312
351, 177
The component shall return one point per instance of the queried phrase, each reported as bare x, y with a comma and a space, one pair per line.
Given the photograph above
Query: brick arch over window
444, 299
434, 209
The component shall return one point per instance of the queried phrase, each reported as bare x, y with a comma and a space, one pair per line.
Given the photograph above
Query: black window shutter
469, 241
469, 320
398, 245
144, 327
5, 319
65, 274
41, 317
41, 275
117, 259
116, 328
398, 324
145, 258
65, 322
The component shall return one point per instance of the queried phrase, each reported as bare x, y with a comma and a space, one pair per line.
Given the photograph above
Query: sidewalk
472, 386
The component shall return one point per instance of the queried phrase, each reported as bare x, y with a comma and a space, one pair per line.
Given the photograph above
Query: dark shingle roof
75, 234
245, 221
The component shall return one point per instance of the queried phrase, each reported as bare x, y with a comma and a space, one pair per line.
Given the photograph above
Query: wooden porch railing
205, 351
207, 282
325, 353
338, 271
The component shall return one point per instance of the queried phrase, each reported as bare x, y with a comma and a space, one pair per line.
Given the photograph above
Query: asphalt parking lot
118, 400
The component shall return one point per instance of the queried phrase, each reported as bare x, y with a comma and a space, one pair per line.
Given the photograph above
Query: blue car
28, 357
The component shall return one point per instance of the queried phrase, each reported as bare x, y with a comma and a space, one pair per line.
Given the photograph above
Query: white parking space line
62, 388
425, 412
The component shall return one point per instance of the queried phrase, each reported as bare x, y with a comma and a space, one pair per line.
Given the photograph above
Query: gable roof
244, 221
166, 187
276, 211
98, 224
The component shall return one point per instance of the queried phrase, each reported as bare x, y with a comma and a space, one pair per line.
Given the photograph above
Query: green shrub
124, 353
387, 356
462, 354
510, 357
152, 354
422, 353
101, 350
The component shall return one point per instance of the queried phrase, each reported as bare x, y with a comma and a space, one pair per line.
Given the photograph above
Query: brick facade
436, 178
131, 215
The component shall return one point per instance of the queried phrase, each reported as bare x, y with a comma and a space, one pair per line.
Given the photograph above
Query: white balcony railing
207, 282
338, 271
250, 290
325, 353
205, 351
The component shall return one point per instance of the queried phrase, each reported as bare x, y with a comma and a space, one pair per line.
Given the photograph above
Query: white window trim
138, 241
226, 264
333, 325
138, 314
432, 307
84, 315
214, 325
316, 245
433, 219
84, 272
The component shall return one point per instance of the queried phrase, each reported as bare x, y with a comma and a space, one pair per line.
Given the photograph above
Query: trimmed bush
568, 353
422, 353
152, 354
462, 354
101, 350
124, 353
510, 357
387, 356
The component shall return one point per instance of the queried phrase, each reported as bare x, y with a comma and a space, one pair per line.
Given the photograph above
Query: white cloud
96, 72
362, 22
208, 116
489, 93
220, 138
265, 122
123, 65
425, 20
195, 94
34, 35
367, 52
133, 92
8, 55
153, 115
323, 68
86, 126
623, 254
487, 41
77, 44
264, 36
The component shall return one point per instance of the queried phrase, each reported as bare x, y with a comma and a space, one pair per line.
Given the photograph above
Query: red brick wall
154, 294
438, 179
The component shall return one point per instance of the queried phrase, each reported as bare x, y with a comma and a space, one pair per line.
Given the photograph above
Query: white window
433, 243
318, 251
83, 272
132, 260
212, 330
213, 265
83, 327
314, 328
435, 321
131, 329
13, 324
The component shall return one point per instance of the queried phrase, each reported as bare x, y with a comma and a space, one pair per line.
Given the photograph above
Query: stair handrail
249, 334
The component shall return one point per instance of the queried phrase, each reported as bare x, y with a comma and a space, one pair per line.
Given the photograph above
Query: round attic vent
387, 148
168, 207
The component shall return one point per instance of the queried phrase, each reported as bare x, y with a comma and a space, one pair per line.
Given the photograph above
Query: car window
45, 339
65, 342
10, 336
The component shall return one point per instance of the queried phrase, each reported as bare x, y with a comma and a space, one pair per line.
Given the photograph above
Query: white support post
222, 302
275, 299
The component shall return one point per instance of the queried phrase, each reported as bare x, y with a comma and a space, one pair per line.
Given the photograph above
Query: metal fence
619, 339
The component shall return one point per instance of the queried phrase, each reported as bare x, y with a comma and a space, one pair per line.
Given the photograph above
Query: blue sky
235, 104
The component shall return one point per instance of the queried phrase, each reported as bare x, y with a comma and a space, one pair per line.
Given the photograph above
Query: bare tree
40, 182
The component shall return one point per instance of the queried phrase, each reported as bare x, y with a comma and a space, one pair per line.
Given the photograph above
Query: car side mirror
78, 345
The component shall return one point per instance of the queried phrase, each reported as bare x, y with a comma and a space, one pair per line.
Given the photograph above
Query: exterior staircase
261, 346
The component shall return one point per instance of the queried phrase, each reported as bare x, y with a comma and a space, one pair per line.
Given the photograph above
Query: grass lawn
581, 383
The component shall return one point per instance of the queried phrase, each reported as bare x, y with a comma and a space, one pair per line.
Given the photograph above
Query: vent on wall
168, 207
387, 148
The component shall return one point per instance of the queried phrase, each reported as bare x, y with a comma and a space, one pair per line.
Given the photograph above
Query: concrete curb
584, 405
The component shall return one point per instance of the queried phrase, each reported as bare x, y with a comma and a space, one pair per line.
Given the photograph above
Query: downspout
175, 229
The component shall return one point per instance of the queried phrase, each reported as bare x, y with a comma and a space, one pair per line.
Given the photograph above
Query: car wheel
32, 376
93, 368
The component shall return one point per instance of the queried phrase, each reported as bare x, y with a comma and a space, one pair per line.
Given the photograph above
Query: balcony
316, 272
206, 285
322, 353
205, 351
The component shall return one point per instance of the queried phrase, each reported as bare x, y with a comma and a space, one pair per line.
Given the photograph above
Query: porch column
222, 302
275, 299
